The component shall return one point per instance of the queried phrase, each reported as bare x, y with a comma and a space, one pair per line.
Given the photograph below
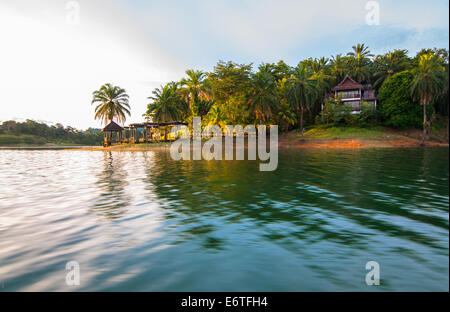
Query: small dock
146, 132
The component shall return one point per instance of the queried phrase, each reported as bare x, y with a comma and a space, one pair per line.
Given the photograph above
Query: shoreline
43, 147
307, 143
314, 138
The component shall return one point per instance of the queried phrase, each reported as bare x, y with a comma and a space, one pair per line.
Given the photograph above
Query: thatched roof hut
113, 127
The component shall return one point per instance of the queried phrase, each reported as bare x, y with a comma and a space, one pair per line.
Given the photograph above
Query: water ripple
141, 221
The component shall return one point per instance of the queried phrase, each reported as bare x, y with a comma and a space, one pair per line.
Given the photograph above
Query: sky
55, 53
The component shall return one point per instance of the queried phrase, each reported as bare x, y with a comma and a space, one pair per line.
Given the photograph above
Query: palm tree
429, 82
390, 64
339, 67
167, 104
359, 61
279, 70
320, 74
196, 91
113, 103
285, 111
302, 91
262, 97
215, 116
285, 117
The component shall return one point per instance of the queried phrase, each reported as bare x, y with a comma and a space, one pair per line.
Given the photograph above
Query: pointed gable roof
112, 126
348, 84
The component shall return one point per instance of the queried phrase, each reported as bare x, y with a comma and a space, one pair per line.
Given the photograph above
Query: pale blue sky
141, 44
256, 31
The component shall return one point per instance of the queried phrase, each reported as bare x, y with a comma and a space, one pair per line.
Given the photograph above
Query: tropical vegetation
293, 96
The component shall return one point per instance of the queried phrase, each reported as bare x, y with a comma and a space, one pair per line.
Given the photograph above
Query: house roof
112, 126
348, 84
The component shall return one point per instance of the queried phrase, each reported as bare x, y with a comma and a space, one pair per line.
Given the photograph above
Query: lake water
139, 221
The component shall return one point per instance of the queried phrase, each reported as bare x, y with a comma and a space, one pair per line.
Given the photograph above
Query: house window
349, 94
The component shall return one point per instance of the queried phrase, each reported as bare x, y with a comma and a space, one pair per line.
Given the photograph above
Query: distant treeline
32, 132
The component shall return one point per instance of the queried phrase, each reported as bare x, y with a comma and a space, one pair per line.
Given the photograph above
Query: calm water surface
139, 221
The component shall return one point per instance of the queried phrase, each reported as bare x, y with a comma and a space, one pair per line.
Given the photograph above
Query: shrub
368, 115
397, 108
335, 113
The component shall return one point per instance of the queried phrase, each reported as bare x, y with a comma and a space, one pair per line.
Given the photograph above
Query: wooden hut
353, 94
112, 134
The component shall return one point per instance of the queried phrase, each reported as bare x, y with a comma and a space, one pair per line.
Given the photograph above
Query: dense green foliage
334, 113
396, 106
32, 132
429, 83
293, 96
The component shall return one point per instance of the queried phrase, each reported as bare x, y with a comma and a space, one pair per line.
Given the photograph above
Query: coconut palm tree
279, 70
320, 69
430, 81
302, 91
262, 97
339, 67
113, 103
167, 104
285, 115
215, 116
359, 61
389, 64
196, 91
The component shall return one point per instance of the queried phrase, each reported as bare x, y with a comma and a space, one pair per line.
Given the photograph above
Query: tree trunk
446, 130
301, 121
424, 123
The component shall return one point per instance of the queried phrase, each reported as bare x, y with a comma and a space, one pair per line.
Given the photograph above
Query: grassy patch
333, 132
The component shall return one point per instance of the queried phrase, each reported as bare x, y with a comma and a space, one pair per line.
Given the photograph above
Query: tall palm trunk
424, 123
301, 121
446, 130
